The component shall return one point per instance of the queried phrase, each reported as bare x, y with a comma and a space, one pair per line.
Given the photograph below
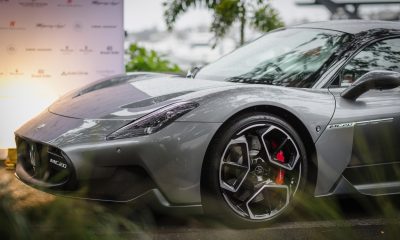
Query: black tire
213, 199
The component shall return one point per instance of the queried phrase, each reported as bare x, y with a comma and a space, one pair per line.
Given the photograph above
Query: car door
361, 145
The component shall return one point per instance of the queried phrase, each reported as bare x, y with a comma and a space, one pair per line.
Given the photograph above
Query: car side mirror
192, 72
378, 80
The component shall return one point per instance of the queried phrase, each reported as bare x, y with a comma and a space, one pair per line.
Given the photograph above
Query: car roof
351, 26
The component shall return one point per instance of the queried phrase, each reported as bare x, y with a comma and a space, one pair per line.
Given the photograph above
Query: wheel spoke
279, 148
236, 157
240, 179
235, 165
268, 199
257, 210
260, 134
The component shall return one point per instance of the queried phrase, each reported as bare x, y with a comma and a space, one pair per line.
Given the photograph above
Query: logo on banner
78, 26
109, 51
104, 26
85, 50
66, 50
41, 73
105, 73
73, 73
50, 26
106, 3
2, 74
69, 3
33, 3
16, 72
43, 49
11, 49
11, 25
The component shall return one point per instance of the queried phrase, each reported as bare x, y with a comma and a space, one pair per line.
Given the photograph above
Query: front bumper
165, 166
49, 168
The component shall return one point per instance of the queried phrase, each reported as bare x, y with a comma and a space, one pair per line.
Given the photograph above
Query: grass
26, 213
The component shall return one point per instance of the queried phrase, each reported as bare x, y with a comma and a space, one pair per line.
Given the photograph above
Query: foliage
266, 19
12, 224
26, 216
257, 13
142, 59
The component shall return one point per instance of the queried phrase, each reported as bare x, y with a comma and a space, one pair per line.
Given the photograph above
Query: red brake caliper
280, 178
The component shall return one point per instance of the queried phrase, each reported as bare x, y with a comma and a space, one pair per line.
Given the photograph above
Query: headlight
154, 121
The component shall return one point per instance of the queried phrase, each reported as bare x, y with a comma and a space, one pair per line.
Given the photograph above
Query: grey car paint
83, 140
79, 122
373, 110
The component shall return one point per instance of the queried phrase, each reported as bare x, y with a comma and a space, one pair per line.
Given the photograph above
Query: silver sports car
315, 104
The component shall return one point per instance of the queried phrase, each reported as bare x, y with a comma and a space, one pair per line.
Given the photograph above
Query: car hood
128, 96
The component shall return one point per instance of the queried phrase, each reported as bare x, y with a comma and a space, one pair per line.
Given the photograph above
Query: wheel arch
286, 115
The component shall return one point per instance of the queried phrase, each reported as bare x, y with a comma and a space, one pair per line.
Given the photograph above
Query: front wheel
254, 168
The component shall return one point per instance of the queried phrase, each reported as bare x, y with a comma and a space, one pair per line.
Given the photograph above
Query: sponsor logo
69, 3
41, 73
106, 3
11, 49
97, 26
73, 73
12, 26
85, 50
58, 163
66, 50
43, 49
33, 3
78, 26
40, 126
4, 1
109, 51
2, 74
16, 72
105, 73
50, 26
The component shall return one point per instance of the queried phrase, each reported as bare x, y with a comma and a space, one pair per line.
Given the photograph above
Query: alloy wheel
260, 171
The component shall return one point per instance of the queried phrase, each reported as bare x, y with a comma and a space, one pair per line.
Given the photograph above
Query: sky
140, 14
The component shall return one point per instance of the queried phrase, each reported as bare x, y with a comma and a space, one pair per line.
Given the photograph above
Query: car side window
381, 55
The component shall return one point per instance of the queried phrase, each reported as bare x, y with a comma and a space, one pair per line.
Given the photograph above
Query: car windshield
289, 57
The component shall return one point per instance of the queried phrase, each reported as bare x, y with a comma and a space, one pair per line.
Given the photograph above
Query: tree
258, 14
148, 60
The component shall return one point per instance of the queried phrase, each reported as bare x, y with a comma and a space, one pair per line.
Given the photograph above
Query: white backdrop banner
48, 47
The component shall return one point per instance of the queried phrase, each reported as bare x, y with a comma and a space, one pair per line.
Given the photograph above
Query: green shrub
142, 59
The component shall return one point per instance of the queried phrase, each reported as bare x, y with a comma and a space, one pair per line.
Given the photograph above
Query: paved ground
329, 218
348, 229
333, 218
